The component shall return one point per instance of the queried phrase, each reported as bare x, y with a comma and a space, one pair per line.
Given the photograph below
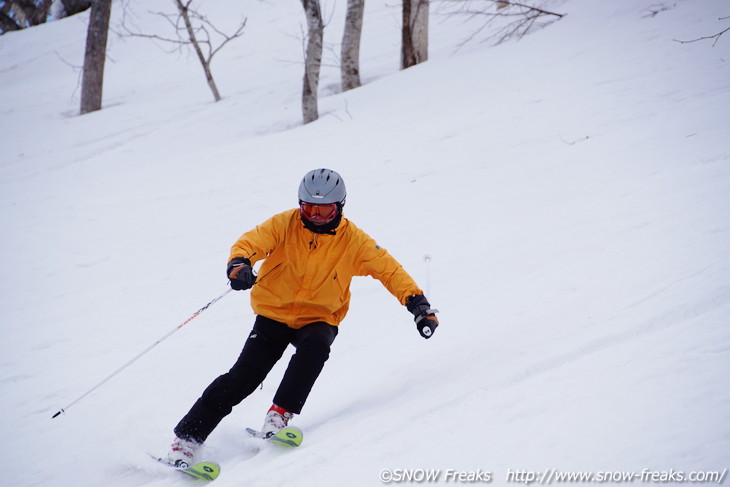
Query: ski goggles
318, 213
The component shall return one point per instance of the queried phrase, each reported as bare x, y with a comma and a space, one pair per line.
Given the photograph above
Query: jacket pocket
272, 266
341, 285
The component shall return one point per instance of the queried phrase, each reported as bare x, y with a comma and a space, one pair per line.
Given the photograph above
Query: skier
300, 296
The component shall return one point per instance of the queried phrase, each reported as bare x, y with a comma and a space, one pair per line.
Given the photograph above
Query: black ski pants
263, 348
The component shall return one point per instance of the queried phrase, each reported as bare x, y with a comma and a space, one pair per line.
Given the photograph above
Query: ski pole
427, 260
63, 410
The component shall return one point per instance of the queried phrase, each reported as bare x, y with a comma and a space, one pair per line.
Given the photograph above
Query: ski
290, 436
202, 470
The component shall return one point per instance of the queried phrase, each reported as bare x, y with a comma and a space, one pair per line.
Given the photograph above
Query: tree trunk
350, 53
96, 36
414, 47
313, 61
205, 62
73, 7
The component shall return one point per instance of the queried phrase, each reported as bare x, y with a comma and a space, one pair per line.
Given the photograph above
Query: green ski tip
203, 470
290, 436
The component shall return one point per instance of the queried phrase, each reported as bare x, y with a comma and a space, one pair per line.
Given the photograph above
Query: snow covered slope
572, 191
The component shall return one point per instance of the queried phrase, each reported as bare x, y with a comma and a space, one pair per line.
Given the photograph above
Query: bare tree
350, 51
184, 9
503, 19
313, 59
194, 29
414, 43
96, 36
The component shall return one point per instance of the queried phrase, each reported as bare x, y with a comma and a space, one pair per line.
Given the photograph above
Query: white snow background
572, 190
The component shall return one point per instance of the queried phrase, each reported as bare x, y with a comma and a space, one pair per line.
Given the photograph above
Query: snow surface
572, 191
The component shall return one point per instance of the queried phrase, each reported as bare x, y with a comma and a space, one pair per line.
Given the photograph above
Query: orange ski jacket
305, 276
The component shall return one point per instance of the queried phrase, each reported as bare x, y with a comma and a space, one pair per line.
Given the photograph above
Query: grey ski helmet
322, 186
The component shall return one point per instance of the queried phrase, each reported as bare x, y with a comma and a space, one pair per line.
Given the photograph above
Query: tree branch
193, 29
508, 18
505, 3
716, 36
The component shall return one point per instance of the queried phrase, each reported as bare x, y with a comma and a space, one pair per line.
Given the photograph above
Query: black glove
241, 274
425, 316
